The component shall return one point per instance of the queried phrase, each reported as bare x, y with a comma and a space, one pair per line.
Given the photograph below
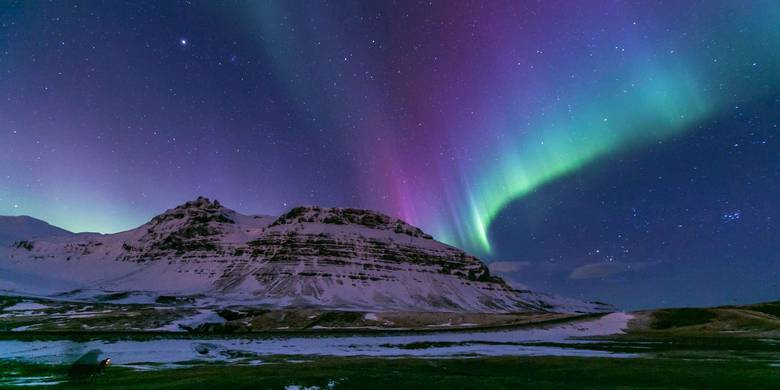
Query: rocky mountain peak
200, 210
189, 226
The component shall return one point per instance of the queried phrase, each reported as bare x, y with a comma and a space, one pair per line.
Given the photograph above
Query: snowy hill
14, 229
310, 257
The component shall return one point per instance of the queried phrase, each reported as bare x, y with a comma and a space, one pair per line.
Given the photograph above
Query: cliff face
338, 258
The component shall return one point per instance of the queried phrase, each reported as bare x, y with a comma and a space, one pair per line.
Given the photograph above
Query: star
183, 42
733, 216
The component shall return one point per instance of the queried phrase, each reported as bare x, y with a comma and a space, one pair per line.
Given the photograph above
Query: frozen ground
252, 351
204, 316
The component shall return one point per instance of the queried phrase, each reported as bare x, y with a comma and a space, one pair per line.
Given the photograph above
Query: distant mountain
310, 257
13, 229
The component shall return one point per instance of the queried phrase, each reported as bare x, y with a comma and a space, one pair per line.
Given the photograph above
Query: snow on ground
27, 282
331, 385
612, 323
450, 344
24, 328
203, 317
370, 317
26, 306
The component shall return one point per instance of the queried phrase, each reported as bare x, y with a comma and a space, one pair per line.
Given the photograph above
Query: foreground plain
467, 373
726, 347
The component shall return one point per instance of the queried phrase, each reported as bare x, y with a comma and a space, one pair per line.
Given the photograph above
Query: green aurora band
659, 97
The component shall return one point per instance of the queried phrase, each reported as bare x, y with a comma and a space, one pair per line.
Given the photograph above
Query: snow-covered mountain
14, 229
336, 258
17, 229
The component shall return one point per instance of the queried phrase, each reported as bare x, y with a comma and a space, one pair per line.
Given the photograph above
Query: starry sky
614, 150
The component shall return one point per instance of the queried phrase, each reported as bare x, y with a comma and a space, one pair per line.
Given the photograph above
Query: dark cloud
602, 270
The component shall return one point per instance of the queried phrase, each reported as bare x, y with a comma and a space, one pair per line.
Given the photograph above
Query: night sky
620, 151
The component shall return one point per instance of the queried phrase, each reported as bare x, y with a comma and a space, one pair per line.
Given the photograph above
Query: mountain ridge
311, 256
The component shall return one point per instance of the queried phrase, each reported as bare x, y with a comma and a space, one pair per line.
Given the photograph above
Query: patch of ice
24, 381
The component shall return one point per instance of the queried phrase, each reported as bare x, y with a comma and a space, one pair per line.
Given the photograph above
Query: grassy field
728, 347
753, 321
475, 373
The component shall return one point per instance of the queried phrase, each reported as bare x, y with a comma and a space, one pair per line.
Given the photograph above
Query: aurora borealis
455, 116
